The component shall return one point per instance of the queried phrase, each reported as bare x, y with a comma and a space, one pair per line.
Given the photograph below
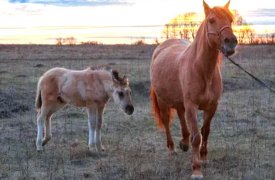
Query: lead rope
251, 75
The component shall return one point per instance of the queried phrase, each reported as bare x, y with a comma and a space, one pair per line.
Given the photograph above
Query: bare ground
241, 144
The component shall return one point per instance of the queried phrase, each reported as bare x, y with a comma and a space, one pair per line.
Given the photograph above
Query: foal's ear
115, 76
125, 80
227, 5
206, 8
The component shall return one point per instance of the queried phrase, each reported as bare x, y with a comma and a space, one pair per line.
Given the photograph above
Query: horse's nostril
129, 109
226, 40
235, 41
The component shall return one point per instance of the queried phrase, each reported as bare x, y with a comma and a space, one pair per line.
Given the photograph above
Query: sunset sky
42, 21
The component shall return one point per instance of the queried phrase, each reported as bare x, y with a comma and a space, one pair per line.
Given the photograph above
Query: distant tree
140, 42
71, 41
157, 41
245, 34
59, 41
182, 26
185, 26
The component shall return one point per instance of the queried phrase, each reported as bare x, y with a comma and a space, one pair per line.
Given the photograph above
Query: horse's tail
38, 99
161, 122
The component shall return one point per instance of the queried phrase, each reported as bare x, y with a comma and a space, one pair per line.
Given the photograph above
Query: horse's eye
120, 94
212, 21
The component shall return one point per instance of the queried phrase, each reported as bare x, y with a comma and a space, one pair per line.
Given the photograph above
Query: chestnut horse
90, 88
187, 77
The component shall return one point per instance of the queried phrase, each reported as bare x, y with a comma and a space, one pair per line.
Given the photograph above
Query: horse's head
218, 26
122, 93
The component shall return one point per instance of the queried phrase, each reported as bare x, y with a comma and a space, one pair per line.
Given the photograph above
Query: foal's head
218, 26
122, 93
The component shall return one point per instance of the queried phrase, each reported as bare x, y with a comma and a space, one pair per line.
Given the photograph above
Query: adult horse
90, 88
186, 77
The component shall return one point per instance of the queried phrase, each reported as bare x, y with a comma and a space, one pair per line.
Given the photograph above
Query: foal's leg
48, 133
92, 123
52, 108
191, 117
98, 129
207, 117
41, 117
184, 143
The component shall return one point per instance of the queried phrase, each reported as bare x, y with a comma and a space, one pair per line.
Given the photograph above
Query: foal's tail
38, 100
161, 121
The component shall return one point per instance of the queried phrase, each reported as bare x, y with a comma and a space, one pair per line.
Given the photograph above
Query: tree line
185, 26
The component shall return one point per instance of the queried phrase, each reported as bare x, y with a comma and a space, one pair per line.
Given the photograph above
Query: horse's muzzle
229, 45
129, 109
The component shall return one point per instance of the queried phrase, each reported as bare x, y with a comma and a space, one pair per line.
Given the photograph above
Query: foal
187, 77
90, 88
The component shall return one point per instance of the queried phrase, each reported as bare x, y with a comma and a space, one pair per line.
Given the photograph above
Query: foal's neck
207, 58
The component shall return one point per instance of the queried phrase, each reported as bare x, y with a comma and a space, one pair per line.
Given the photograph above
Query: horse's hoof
172, 152
183, 146
196, 177
204, 161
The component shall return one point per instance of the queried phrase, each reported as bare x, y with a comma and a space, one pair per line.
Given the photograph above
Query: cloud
261, 17
74, 2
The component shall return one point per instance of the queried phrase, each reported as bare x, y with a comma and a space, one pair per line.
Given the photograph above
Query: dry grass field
241, 143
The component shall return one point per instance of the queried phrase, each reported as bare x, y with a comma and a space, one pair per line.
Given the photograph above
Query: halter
218, 33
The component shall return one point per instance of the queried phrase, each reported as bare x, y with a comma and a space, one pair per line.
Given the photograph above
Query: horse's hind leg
205, 130
166, 117
184, 143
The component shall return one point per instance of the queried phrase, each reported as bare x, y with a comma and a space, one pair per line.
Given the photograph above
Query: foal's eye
212, 20
120, 94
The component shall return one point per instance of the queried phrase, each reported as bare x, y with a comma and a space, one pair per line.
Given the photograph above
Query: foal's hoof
196, 177
92, 148
183, 146
102, 148
39, 149
45, 141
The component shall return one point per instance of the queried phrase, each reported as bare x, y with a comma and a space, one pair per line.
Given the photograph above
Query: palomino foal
187, 77
90, 88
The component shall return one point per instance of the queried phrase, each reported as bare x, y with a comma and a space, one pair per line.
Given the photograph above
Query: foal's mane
101, 67
115, 74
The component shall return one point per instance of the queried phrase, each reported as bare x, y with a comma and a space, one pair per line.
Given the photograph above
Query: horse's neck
206, 58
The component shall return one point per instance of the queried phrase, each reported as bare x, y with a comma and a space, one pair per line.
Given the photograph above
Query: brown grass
241, 144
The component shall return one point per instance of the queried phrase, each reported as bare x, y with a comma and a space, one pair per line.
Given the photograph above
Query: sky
42, 21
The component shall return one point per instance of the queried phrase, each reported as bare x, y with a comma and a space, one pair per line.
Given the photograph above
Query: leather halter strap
218, 33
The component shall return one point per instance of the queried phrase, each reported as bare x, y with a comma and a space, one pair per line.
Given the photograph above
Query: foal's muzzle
129, 109
229, 44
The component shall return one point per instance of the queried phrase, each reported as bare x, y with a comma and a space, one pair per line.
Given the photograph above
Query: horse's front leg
191, 117
92, 123
205, 130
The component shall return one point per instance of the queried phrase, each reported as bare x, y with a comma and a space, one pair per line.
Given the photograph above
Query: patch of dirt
9, 105
38, 65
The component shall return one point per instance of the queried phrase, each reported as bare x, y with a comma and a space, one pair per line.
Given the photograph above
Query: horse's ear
227, 5
206, 8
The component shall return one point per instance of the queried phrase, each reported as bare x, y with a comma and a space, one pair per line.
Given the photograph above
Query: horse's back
174, 45
164, 70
